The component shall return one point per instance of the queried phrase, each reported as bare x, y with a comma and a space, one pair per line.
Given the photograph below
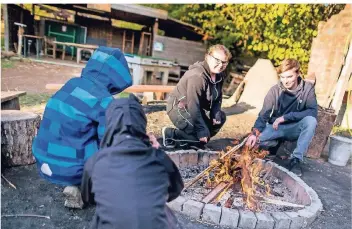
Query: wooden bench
159, 90
10, 100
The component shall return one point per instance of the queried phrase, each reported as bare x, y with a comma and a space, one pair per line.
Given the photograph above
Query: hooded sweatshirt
131, 181
293, 105
74, 118
202, 96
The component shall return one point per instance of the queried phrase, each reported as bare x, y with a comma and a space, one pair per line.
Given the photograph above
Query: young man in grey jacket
289, 113
194, 106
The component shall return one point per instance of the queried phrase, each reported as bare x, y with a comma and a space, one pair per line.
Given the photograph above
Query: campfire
239, 173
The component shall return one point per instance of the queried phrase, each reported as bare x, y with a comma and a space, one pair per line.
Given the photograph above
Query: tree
273, 31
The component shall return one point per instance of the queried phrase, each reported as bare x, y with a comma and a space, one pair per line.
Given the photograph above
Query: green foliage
273, 31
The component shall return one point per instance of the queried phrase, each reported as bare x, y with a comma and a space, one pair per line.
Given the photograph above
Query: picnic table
38, 43
10, 100
79, 47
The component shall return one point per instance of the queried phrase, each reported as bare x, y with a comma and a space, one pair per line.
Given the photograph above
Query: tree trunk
18, 129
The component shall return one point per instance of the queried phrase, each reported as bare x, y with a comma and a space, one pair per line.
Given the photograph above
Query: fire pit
242, 190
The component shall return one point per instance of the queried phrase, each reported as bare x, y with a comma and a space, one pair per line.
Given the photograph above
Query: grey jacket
292, 105
202, 96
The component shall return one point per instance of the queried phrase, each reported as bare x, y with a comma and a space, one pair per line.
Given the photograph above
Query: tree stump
18, 128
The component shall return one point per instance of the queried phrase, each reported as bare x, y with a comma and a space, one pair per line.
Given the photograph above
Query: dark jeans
302, 131
185, 131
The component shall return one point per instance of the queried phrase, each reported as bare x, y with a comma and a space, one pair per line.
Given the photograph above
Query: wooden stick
12, 185
27, 215
280, 202
214, 193
211, 167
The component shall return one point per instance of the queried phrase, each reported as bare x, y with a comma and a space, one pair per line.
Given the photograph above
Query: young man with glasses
194, 106
289, 113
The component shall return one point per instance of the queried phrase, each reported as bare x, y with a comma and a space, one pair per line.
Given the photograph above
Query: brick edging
234, 218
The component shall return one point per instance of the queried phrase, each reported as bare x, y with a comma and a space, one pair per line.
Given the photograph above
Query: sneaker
73, 197
167, 143
295, 166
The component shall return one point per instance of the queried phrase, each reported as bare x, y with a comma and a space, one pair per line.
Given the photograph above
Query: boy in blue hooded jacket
74, 118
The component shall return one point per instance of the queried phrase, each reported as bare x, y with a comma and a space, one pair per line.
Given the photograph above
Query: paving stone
193, 208
264, 221
177, 204
211, 213
297, 222
282, 221
247, 220
308, 216
175, 157
229, 217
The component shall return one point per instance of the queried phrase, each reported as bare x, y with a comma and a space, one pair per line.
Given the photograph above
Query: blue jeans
302, 131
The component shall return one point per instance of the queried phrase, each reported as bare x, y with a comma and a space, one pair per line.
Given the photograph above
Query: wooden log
326, 120
214, 192
18, 129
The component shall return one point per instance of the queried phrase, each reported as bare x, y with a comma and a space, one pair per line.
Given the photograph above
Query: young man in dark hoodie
194, 106
131, 181
289, 113
74, 121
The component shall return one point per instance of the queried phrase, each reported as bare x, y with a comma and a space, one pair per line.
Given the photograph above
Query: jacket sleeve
195, 88
311, 109
175, 180
264, 114
100, 117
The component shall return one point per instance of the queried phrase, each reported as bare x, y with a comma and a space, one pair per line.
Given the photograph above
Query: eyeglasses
218, 61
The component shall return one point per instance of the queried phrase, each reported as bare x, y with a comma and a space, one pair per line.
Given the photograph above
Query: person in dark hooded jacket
194, 106
289, 113
130, 180
73, 123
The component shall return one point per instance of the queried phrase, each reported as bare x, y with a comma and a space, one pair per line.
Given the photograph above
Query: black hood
125, 121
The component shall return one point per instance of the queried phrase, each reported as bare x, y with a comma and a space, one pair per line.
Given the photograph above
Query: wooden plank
132, 46
131, 89
8, 95
214, 193
102, 7
123, 41
342, 83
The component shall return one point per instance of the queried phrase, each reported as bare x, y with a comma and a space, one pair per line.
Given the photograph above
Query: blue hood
108, 67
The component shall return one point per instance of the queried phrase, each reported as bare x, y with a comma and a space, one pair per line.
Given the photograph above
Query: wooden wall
183, 52
99, 32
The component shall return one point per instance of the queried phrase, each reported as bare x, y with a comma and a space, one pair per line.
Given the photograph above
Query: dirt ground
32, 76
36, 196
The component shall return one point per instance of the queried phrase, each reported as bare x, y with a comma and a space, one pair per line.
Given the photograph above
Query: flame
241, 167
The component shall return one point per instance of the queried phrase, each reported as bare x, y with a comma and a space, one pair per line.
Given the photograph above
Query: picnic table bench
10, 100
159, 90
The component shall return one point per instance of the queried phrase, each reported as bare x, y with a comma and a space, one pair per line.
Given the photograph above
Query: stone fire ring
234, 218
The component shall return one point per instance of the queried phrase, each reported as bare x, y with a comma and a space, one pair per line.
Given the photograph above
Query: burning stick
211, 167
